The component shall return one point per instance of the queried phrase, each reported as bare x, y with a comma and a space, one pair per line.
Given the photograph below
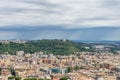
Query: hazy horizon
88, 20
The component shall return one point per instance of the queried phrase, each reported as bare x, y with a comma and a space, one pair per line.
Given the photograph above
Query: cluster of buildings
14, 41
78, 66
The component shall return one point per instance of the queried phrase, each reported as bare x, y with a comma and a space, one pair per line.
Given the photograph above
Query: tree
40, 79
17, 78
30, 79
70, 69
64, 78
12, 71
76, 68
14, 78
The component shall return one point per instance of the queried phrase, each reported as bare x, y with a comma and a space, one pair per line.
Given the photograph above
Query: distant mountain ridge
56, 32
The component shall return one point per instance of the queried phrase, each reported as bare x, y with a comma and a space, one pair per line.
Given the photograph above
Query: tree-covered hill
47, 46
57, 47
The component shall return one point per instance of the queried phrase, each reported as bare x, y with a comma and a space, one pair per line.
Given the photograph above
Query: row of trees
14, 78
19, 78
36, 79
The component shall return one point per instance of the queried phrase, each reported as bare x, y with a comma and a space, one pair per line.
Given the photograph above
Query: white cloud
69, 13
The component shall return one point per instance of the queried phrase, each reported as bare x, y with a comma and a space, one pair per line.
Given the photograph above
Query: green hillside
48, 46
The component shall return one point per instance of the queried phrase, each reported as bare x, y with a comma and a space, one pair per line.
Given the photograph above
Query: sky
60, 19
